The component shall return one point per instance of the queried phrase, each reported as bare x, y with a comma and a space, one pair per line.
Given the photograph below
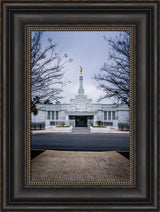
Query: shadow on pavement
125, 154
35, 153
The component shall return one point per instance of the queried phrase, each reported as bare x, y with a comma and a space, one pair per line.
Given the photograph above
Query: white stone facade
81, 112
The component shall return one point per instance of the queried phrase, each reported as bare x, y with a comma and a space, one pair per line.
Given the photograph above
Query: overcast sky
87, 49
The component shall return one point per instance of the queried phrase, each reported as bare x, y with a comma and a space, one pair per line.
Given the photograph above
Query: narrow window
52, 115
48, 116
113, 115
105, 115
56, 115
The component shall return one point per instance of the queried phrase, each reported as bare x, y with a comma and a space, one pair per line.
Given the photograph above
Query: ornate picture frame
18, 193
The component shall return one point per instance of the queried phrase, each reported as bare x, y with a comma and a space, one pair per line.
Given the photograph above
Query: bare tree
46, 69
114, 76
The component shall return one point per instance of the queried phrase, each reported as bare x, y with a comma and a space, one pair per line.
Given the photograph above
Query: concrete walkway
78, 131
80, 166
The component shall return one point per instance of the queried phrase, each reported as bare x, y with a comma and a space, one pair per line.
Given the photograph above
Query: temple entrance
81, 121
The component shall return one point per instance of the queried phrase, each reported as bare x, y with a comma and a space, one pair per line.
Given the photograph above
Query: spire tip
81, 69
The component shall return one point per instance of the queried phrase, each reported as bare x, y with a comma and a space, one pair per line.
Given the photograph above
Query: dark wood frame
15, 195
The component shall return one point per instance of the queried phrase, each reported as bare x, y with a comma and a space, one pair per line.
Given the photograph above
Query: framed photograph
79, 106
84, 133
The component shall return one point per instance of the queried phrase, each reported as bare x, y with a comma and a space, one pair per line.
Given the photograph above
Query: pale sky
87, 49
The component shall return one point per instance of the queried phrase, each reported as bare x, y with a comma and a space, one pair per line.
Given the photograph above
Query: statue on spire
81, 69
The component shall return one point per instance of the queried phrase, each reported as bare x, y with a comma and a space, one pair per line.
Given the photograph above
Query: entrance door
81, 121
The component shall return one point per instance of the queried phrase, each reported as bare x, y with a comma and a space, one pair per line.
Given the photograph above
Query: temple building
81, 112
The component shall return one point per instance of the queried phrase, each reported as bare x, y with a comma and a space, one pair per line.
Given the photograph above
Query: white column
95, 119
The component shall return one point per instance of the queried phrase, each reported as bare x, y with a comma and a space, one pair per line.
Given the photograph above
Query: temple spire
81, 89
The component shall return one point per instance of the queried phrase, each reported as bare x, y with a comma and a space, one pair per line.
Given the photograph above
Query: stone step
81, 130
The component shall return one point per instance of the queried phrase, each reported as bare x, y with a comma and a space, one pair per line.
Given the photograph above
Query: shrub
99, 123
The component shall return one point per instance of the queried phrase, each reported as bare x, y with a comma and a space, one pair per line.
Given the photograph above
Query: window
113, 115
56, 115
52, 115
52, 123
105, 115
109, 115
48, 116
107, 123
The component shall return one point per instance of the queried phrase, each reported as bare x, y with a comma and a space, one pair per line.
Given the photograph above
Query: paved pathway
80, 166
81, 130
51, 131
